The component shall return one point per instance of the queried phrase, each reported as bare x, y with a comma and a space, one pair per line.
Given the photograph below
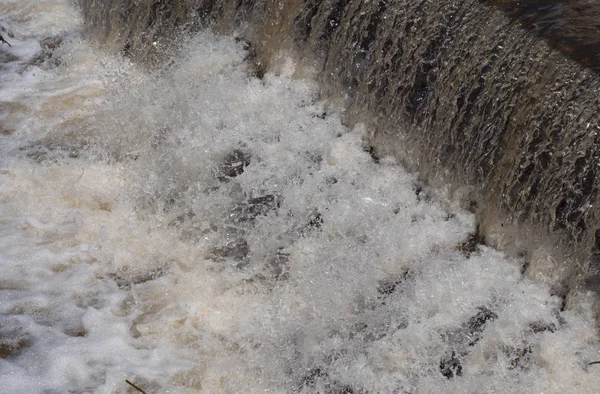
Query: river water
570, 26
198, 229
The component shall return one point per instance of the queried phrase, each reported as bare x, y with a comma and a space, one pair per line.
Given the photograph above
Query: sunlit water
197, 229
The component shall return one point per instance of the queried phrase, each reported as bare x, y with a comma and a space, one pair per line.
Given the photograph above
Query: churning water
197, 229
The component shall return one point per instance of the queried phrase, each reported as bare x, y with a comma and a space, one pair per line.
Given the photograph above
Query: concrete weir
465, 92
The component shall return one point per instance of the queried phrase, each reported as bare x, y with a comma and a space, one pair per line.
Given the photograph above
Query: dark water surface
571, 26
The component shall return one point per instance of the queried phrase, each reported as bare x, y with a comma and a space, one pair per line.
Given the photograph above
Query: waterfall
456, 90
298, 196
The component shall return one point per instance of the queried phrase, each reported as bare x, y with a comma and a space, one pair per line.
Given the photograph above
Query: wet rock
464, 338
311, 378
371, 151
315, 222
471, 244
235, 247
49, 152
471, 206
75, 330
254, 207
386, 288
520, 358
233, 165
346, 390
314, 157
563, 299
12, 347
278, 267
317, 380
450, 366
330, 181
6, 130
255, 67
375, 332
524, 264
541, 326
258, 70
51, 43
420, 192
46, 56
180, 219
13, 339
246, 45
125, 279
7, 57
476, 324
238, 249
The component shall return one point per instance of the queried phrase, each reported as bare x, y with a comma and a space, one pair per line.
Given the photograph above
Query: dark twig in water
135, 387
3, 40
594, 362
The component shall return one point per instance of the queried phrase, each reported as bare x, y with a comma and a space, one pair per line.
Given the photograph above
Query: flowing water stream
194, 228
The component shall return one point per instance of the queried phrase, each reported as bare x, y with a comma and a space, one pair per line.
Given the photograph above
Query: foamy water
197, 229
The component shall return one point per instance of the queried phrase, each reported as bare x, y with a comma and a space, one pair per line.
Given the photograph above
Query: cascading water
571, 26
183, 224
455, 90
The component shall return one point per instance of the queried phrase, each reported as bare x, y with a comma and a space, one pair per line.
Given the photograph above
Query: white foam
127, 255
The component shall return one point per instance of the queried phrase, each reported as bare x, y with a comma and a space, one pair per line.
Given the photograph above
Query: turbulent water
456, 89
197, 229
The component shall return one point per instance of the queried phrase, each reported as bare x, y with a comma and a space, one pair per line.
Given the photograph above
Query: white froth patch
199, 230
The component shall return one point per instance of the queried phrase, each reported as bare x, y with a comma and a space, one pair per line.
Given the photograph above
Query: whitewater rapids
198, 229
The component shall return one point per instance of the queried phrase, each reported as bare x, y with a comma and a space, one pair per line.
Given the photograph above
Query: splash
198, 229
454, 89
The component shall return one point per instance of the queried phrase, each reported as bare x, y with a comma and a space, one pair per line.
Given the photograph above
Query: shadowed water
571, 26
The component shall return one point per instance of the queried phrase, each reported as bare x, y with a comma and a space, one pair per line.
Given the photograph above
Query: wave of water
197, 229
